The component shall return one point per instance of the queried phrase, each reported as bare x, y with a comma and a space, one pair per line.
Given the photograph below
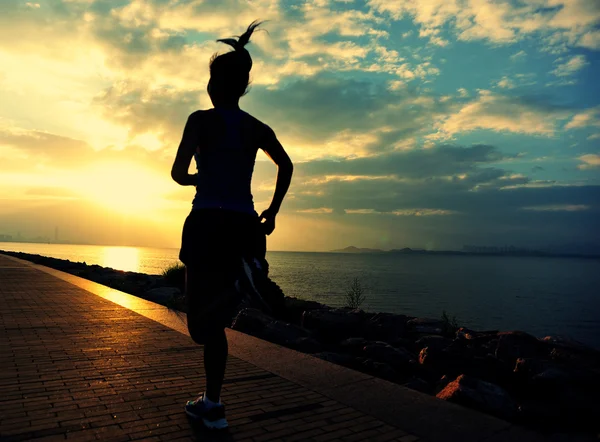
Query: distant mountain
352, 249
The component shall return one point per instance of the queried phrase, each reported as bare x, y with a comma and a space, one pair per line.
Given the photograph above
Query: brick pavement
80, 361
78, 367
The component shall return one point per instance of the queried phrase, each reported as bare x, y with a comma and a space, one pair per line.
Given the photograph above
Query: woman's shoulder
258, 126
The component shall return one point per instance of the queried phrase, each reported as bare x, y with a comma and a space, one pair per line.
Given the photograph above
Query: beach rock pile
551, 383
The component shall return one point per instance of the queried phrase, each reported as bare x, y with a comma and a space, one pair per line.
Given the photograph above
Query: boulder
334, 325
397, 358
442, 382
570, 344
354, 346
251, 321
294, 308
161, 294
476, 337
385, 327
426, 326
379, 369
480, 395
491, 369
517, 344
450, 361
283, 333
340, 359
306, 345
435, 342
418, 384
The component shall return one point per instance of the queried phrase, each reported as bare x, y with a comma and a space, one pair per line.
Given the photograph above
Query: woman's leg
215, 361
203, 290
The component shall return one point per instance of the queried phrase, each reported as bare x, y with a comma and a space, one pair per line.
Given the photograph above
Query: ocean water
542, 296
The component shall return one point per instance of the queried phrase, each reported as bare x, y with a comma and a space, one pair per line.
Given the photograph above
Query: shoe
213, 417
246, 284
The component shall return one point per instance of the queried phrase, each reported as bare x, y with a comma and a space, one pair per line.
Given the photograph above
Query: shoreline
548, 384
391, 252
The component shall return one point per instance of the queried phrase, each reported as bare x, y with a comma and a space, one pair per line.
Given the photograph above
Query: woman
223, 225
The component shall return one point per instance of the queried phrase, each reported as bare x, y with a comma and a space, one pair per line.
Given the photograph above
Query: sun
125, 187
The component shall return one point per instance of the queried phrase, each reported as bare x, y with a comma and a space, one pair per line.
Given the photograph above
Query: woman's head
230, 72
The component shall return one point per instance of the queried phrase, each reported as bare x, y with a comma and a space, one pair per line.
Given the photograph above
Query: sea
540, 295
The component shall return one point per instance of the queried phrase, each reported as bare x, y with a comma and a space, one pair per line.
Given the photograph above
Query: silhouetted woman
223, 224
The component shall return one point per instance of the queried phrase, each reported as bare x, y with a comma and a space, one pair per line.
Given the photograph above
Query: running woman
222, 225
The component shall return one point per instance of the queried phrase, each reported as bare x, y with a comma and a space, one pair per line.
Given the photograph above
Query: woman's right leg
202, 290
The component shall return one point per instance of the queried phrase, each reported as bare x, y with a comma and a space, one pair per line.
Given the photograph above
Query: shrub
355, 294
174, 276
450, 324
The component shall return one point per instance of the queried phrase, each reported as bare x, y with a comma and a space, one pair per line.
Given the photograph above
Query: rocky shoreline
551, 384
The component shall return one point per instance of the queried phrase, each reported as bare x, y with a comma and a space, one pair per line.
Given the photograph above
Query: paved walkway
81, 361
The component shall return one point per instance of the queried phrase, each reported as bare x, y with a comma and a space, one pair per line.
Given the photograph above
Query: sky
432, 123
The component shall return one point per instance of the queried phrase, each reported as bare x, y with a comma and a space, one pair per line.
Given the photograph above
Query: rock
434, 342
283, 333
491, 369
552, 376
426, 326
566, 412
476, 337
570, 344
385, 327
517, 344
442, 382
447, 361
340, 359
397, 358
294, 308
528, 367
251, 321
334, 325
306, 345
418, 384
480, 395
161, 294
354, 346
379, 369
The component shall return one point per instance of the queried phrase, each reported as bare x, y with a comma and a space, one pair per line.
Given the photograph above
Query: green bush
355, 294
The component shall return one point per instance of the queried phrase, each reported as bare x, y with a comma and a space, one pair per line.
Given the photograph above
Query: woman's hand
268, 224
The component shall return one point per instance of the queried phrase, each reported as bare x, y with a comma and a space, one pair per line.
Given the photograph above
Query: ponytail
242, 41
232, 69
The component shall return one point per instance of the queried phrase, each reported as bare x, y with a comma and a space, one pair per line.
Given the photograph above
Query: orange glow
125, 187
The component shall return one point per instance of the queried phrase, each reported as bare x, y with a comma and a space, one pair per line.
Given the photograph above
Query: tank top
225, 166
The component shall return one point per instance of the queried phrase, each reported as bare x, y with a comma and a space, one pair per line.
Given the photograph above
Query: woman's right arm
274, 150
185, 152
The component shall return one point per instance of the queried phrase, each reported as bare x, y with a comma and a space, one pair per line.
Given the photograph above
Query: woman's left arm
185, 152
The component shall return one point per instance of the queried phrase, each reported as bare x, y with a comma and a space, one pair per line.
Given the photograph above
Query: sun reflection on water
124, 258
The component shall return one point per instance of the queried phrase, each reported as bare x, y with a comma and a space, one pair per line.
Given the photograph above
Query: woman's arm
185, 152
274, 150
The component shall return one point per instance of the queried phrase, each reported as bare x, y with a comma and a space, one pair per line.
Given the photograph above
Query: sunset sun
122, 186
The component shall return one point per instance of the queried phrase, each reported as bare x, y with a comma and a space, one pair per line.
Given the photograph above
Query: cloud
587, 118
563, 22
518, 56
590, 40
590, 161
501, 113
506, 83
569, 67
558, 208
